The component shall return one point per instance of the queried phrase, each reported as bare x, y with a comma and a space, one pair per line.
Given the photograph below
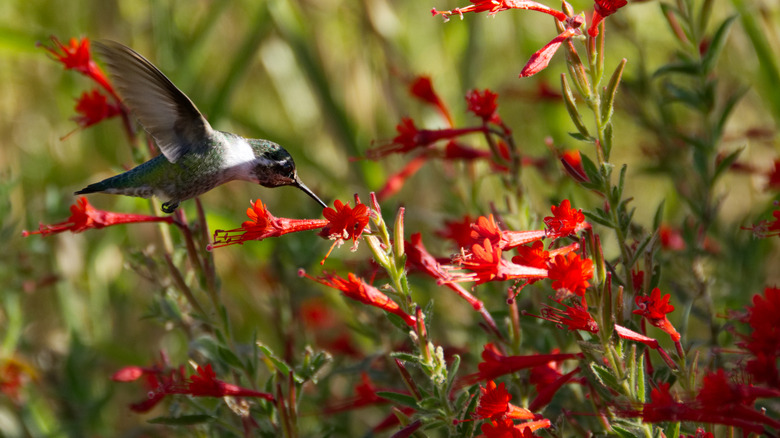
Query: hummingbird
195, 158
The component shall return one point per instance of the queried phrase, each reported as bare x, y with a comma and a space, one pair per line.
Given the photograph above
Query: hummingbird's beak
298, 183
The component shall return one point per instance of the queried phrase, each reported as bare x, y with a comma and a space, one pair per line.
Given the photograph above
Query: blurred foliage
328, 79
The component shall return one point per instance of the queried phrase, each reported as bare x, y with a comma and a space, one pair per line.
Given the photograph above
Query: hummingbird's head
275, 167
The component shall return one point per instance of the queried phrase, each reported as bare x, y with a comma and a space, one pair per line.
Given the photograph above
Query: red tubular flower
570, 275
93, 108
84, 217
631, 335
564, 221
773, 177
355, 288
671, 239
654, 308
486, 264
162, 382
541, 59
76, 56
396, 181
764, 340
495, 6
410, 138
546, 392
345, 222
422, 88
730, 412
486, 228
574, 317
506, 428
765, 229
460, 232
365, 395
206, 384
494, 404
572, 163
494, 364
262, 225
14, 373
483, 105
601, 10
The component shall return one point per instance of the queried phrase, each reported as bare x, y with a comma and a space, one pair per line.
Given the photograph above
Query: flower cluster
93, 107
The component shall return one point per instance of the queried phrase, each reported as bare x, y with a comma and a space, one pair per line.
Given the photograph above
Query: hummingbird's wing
165, 112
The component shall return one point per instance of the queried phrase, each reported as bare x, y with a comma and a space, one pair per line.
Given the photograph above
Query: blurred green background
327, 79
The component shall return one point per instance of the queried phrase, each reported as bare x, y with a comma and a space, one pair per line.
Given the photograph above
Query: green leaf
229, 357
608, 98
727, 109
406, 357
726, 162
278, 364
682, 67
599, 219
452, 372
605, 376
571, 107
401, 399
580, 137
184, 420
623, 432
659, 215
716, 45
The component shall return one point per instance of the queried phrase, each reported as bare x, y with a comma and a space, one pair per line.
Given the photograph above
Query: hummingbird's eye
287, 168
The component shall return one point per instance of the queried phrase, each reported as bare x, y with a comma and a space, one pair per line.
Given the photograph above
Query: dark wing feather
165, 112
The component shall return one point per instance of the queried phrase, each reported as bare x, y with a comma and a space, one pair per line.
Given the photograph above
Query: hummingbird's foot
169, 207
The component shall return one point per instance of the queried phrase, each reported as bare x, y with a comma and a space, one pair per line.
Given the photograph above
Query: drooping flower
410, 137
483, 105
494, 364
564, 221
76, 56
654, 308
570, 275
541, 59
397, 180
84, 217
262, 225
572, 163
357, 289
93, 107
601, 10
486, 264
422, 88
631, 335
495, 6
547, 389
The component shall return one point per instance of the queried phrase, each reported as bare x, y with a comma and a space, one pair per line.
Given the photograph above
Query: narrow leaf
716, 45
608, 99
401, 399
571, 107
